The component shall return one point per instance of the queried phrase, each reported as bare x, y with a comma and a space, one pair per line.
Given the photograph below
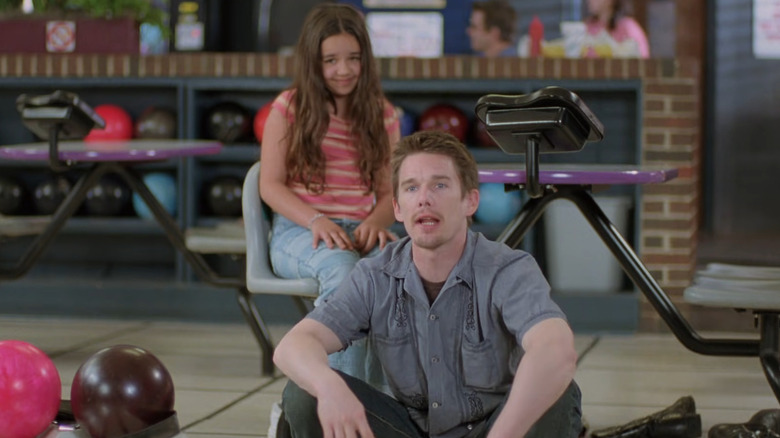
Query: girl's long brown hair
365, 106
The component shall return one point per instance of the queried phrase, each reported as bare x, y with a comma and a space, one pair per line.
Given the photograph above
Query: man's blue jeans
389, 419
293, 257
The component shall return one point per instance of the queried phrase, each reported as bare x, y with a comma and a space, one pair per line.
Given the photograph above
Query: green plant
142, 11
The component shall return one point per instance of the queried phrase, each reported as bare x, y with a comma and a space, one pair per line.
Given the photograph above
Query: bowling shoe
679, 420
763, 424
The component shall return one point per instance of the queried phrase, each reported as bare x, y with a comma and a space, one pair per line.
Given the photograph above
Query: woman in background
610, 17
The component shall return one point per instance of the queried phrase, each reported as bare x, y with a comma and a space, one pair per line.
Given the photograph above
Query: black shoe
283, 428
763, 424
679, 420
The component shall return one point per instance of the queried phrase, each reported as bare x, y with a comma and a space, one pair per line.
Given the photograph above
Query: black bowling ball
108, 197
156, 122
11, 195
223, 196
228, 122
49, 194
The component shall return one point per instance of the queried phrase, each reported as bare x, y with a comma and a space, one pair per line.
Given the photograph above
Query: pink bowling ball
30, 390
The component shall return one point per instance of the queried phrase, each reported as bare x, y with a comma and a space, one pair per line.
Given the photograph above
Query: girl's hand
368, 234
330, 233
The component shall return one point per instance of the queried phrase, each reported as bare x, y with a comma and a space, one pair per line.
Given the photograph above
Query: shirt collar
400, 264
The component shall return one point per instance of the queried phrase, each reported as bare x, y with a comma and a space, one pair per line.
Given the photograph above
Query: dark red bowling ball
30, 390
119, 124
228, 122
447, 118
121, 390
259, 122
156, 122
480, 136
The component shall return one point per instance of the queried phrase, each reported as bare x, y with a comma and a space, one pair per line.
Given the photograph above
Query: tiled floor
220, 392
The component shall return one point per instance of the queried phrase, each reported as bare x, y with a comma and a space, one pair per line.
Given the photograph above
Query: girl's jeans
293, 257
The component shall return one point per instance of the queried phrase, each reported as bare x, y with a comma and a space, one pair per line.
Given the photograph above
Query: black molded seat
558, 117
552, 119
61, 115
63, 110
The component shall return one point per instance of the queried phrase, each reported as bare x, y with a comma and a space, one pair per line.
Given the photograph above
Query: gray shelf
617, 102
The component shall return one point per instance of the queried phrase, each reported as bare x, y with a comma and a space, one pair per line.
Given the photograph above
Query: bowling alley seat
260, 278
250, 243
16, 226
745, 288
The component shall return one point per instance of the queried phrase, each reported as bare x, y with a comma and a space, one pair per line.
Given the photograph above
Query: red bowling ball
447, 118
30, 390
119, 124
259, 122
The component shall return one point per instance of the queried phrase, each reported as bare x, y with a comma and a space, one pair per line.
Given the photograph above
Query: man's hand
342, 415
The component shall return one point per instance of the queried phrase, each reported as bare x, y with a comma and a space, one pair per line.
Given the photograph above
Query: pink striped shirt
626, 28
344, 195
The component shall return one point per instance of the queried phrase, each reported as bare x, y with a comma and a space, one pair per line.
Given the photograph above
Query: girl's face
340, 63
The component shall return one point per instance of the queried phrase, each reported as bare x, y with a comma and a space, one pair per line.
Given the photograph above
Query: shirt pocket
399, 360
480, 367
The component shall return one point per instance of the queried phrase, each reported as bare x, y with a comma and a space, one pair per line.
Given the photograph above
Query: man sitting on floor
465, 329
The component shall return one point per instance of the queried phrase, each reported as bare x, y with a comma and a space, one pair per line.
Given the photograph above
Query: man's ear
397, 211
472, 201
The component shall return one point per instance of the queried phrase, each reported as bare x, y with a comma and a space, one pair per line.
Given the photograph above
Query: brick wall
671, 126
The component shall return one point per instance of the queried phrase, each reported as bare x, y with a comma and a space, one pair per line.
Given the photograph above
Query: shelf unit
143, 246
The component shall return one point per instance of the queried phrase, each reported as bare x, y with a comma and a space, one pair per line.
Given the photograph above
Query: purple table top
121, 150
577, 174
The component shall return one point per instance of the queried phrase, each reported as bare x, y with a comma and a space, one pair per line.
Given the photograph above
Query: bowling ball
447, 118
407, 120
223, 196
108, 197
259, 122
11, 195
163, 187
497, 207
480, 136
156, 122
119, 124
228, 122
30, 390
121, 390
49, 194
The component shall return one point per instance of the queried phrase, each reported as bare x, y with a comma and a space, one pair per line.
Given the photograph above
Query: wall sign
404, 4
60, 36
766, 28
416, 34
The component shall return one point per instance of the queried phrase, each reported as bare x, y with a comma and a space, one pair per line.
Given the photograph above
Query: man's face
481, 38
430, 203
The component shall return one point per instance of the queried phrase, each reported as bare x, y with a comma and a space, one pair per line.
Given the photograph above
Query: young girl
610, 16
324, 166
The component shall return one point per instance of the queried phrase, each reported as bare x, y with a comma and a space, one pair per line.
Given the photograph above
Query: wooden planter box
68, 35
